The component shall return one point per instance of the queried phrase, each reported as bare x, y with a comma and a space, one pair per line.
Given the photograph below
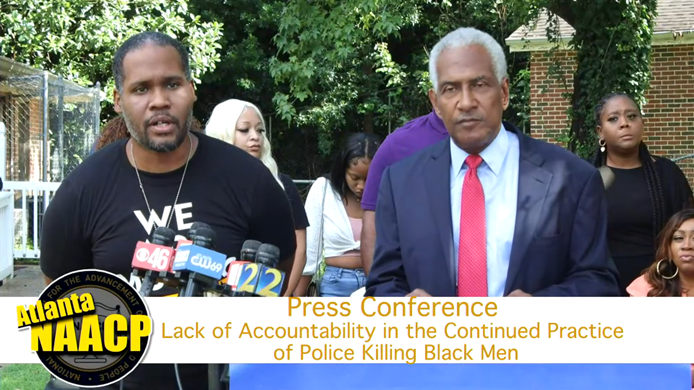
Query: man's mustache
468, 118
168, 116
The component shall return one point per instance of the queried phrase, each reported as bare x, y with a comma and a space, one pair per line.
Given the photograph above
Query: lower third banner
461, 376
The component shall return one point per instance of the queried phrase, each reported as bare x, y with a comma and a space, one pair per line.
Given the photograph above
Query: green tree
335, 59
77, 38
612, 40
362, 65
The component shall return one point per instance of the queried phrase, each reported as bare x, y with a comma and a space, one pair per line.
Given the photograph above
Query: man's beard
160, 147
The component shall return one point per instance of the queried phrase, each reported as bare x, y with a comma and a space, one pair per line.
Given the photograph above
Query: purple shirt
412, 137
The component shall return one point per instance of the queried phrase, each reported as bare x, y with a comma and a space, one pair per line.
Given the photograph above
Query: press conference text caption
405, 331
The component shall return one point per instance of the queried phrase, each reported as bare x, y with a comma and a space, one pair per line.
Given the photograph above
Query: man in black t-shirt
163, 175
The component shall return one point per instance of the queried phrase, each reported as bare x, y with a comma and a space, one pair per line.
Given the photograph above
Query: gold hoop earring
602, 144
657, 269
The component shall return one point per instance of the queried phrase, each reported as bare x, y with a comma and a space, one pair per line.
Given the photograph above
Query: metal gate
29, 201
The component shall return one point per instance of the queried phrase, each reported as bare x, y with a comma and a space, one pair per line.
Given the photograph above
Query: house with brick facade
47, 120
21, 110
669, 112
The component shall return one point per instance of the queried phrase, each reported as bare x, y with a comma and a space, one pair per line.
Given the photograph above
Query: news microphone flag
232, 280
262, 278
189, 237
203, 266
247, 255
152, 257
193, 258
152, 261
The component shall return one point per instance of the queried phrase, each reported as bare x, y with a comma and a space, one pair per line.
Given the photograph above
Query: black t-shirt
99, 214
629, 214
298, 210
630, 224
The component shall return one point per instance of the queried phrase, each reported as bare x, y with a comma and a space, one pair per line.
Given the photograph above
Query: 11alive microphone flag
89, 328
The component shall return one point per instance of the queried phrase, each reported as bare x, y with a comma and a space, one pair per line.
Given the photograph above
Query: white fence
6, 222
21, 215
6, 236
28, 198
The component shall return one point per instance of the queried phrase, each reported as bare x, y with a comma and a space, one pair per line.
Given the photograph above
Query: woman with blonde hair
241, 124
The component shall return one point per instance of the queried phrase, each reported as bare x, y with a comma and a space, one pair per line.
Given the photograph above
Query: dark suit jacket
559, 245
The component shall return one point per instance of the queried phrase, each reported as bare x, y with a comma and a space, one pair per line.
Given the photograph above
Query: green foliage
520, 98
23, 376
334, 57
613, 46
362, 65
77, 38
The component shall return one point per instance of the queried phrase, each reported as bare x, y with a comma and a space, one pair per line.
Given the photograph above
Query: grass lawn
23, 377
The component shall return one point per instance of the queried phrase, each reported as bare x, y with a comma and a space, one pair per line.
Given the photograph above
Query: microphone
249, 250
199, 263
151, 261
248, 254
262, 278
191, 233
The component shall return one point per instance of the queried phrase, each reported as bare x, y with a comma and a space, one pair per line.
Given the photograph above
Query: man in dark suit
488, 211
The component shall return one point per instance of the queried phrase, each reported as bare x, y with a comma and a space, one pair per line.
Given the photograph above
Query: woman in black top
643, 191
241, 124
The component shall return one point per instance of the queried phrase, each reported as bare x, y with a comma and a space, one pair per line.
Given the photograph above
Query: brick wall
670, 107
548, 118
669, 113
36, 140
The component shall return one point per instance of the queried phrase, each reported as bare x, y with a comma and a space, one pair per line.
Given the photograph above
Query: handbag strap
319, 261
322, 222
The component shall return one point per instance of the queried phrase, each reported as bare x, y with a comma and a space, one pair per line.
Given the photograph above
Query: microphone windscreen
205, 238
163, 236
249, 250
194, 228
268, 254
251, 245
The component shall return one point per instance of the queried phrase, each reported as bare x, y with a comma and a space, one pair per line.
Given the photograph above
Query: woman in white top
241, 124
334, 212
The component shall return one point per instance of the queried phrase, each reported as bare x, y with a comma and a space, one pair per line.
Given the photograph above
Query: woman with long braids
645, 190
672, 273
333, 206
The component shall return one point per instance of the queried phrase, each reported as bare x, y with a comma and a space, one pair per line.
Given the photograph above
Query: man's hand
418, 292
519, 293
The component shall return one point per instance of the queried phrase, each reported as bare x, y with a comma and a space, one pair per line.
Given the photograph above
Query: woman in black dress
643, 191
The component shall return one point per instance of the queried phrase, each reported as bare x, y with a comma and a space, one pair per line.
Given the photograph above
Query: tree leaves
78, 38
612, 40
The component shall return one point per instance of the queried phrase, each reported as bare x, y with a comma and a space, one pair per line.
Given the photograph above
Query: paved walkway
27, 282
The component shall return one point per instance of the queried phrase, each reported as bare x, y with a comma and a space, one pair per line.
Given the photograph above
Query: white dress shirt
498, 174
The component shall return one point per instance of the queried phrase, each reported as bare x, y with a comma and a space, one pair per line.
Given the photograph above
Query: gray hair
467, 36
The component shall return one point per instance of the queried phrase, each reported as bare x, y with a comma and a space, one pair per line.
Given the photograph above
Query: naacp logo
89, 328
